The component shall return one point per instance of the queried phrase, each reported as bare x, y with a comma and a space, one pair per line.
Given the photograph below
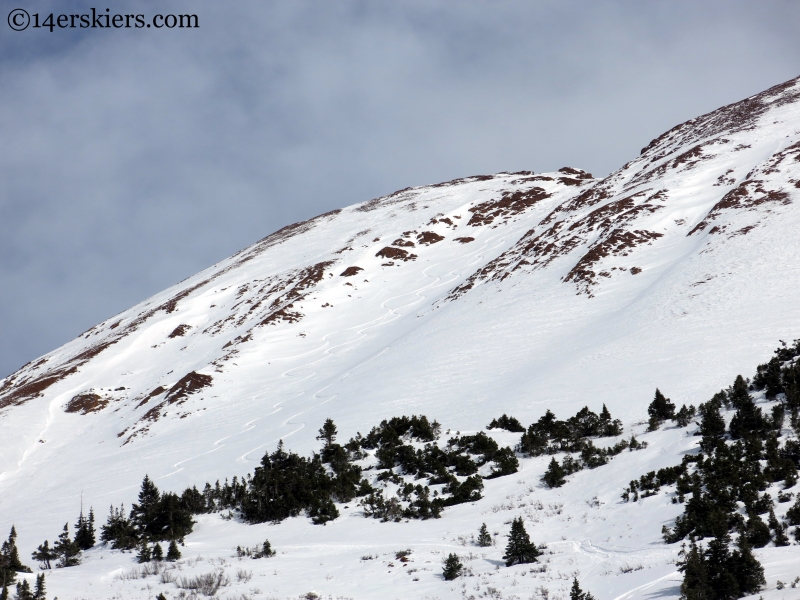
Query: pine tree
328, 433
576, 593
693, 565
173, 553
779, 529
118, 530
84, 531
452, 567
748, 571
718, 558
24, 591
520, 549
265, 551
44, 554
323, 510
144, 555
712, 425
484, 539
685, 415
68, 552
39, 591
158, 553
144, 515
10, 563
757, 532
660, 409
554, 476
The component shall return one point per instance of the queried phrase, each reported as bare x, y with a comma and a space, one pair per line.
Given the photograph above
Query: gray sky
131, 159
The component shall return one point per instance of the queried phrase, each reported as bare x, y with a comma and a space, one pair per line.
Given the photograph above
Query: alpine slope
510, 293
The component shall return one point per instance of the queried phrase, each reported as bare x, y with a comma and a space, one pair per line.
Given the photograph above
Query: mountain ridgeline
484, 345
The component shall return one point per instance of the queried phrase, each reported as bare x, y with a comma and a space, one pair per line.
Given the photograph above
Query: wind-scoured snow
512, 293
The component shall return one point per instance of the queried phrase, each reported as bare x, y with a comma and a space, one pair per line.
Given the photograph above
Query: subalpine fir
520, 549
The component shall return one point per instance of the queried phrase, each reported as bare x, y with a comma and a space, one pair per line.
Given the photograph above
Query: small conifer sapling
554, 476
144, 554
158, 553
484, 539
452, 567
173, 553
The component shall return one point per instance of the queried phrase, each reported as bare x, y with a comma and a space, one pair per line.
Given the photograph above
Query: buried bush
207, 584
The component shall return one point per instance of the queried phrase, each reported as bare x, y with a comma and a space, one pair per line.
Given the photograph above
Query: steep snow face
515, 293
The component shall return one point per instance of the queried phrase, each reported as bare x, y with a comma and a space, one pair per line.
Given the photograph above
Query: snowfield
512, 293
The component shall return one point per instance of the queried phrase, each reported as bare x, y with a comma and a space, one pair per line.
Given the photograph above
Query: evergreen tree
712, 425
4, 592
576, 593
68, 552
610, 427
323, 510
738, 394
144, 555
39, 591
554, 476
173, 553
685, 415
44, 554
452, 567
484, 539
757, 532
172, 519
660, 409
779, 529
692, 564
718, 558
84, 531
748, 571
520, 549
158, 553
118, 530
265, 551
144, 514
793, 514
10, 563
328, 433
24, 591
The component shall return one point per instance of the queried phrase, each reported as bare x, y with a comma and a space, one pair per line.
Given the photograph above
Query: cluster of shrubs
552, 436
287, 484
723, 488
462, 456
262, 551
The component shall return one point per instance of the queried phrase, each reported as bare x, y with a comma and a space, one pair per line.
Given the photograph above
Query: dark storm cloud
132, 159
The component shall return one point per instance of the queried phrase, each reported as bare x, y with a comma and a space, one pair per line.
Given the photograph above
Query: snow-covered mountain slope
514, 293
